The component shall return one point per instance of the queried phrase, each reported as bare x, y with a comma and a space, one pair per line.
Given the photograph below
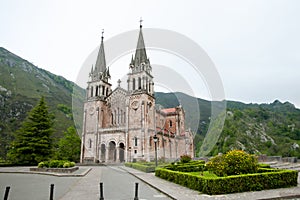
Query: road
117, 185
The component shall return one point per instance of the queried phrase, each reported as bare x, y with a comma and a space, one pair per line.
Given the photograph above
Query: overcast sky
255, 45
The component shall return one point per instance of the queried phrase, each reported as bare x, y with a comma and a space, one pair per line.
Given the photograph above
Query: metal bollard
136, 191
6, 193
51, 191
101, 192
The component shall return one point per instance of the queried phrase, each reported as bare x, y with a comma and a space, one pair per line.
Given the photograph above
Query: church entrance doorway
112, 151
121, 152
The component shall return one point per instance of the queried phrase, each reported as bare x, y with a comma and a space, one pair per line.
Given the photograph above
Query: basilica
125, 125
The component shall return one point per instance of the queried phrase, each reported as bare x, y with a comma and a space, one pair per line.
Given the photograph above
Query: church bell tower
96, 107
141, 101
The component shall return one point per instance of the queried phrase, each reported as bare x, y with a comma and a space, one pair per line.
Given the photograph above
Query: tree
69, 146
33, 141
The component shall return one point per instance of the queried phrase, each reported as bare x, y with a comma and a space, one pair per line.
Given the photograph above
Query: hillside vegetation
272, 129
21, 86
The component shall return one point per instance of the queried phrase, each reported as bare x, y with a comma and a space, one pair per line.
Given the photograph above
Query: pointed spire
140, 53
101, 62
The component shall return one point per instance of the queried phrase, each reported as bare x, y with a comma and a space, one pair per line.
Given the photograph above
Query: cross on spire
102, 33
141, 20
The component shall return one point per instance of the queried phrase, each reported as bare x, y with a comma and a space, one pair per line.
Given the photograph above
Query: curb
153, 186
48, 173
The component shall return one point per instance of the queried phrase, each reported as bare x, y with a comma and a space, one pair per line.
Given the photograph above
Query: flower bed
56, 166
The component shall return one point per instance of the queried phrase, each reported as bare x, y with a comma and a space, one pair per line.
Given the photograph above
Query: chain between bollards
6, 193
136, 191
101, 192
51, 191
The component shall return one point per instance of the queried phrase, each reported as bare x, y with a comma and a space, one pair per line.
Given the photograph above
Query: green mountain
21, 86
272, 129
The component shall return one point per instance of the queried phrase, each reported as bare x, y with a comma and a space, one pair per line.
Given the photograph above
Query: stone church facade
120, 125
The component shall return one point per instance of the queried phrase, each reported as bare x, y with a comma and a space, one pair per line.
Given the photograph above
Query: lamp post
155, 146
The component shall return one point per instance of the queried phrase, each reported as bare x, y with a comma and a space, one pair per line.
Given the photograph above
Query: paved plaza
118, 183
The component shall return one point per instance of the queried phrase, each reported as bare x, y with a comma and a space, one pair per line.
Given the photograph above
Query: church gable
117, 101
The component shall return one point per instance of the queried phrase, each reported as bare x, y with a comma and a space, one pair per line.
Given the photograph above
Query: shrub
72, 164
41, 165
217, 165
185, 158
56, 164
234, 162
240, 162
68, 164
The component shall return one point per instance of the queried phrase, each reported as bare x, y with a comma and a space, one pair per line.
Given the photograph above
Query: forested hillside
21, 86
272, 129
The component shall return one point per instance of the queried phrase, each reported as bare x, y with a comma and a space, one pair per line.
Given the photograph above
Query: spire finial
141, 20
102, 34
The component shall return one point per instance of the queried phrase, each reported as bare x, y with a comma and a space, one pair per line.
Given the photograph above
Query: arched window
133, 84
146, 84
118, 116
112, 119
140, 83
103, 89
90, 143
170, 123
135, 141
96, 91
101, 119
92, 90
106, 91
121, 114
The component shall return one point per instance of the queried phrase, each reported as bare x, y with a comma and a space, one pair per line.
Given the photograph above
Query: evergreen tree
69, 146
33, 141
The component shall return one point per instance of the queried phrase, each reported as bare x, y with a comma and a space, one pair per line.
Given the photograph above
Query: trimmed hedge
231, 184
187, 168
192, 166
141, 167
263, 165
